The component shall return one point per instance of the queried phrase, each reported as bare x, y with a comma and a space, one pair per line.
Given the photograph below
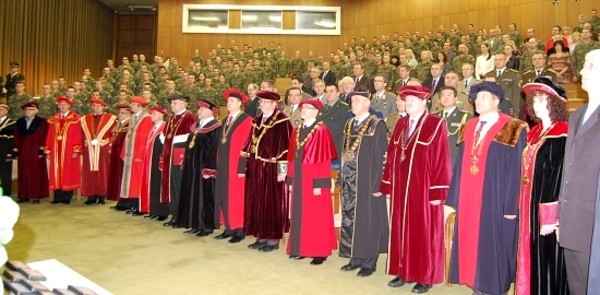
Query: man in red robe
175, 137
231, 167
132, 154
266, 203
96, 129
63, 148
484, 191
416, 176
30, 139
117, 139
311, 152
150, 198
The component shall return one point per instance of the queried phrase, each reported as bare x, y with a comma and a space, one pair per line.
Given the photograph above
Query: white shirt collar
361, 118
416, 118
181, 112
309, 122
234, 114
450, 111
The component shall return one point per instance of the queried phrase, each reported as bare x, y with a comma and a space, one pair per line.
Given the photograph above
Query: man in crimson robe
30, 139
63, 148
266, 203
150, 198
311, 152
117, 139
7, 134
416, 176
174, 138
231, 167
484, 191
364, 230
197, 199
132, 154
96, 129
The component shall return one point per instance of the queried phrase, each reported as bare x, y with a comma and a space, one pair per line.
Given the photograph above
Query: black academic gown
7, 135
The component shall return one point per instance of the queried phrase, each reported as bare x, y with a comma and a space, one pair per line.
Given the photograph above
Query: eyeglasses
379, 81
308, 107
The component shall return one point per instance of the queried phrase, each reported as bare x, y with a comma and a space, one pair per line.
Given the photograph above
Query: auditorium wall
376, 17
173, 43
52, 38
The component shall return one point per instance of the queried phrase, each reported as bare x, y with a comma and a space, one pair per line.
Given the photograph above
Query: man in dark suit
328, 75
510, 81
13, 78
334, 114
539, 69
361, 81
580, 181
434, 84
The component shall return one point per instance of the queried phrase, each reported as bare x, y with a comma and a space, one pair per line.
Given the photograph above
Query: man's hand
316, 191
510, 217
280, 177
377, 194
547, 229
435, 202
240, 175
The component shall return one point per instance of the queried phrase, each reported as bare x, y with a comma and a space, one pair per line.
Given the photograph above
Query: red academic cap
270, 95
158, 109
64, 99
419, 91
313, 102
140, 100
97, 100
30, 104
234, 92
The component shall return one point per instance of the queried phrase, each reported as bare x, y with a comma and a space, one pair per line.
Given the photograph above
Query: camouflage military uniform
423, 70
526, 62
297, 66
579, 55
236, 80
15, 102
459, 60
283, 67
47, 106
221, 88
164, 98
371, 68
387, 72
211, 94
516, 37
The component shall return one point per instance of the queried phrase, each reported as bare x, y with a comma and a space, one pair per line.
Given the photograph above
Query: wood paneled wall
52, 38
383, 17
173, 43
136, 34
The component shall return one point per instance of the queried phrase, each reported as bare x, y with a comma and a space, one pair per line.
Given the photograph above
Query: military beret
30, 104
234, 92
491, 87
97, 100
13, 64
139, 100
269, 95
546, 85
315, 102
64, 99
418, 91
158, 109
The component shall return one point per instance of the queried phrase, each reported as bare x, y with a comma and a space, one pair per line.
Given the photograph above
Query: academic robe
7, 137
540, 261
364, 229
413, 178
96, 153
133, 155
150, 195
63, 140
265, 201
485, 242
197, 196
32, 168
229, 188
117, 139
312, 233
175, 137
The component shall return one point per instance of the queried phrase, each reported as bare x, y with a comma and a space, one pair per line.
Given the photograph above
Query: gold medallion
191, 144
94, 142
223, 140
525, 180
474, 169
402, 157
169, 136
59, 137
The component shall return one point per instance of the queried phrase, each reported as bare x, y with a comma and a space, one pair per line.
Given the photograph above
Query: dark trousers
369, 263
6, 178
176, 176
577, 263
63, 195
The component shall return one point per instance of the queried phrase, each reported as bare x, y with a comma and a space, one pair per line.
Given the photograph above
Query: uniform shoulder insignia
513, 70
343, 103
528, 71
461, 133
552, 71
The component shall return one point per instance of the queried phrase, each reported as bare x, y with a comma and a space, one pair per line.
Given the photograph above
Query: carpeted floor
130, 255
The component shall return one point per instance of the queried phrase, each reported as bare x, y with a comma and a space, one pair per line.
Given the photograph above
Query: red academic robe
312, 233
96, 153
63, 141
229, 192
116, 163
33, 171
416, 247
146, 173
133, 156
176, 131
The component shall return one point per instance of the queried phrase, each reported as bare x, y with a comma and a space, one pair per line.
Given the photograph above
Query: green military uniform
387, 71
529, 76
79, 107
423, 70
282, 67
85, 108
221, 88
198, 58
193, 92
14, 103
164, 98
460, 60
47, 106
391, 121
236, 80
455, 120
211, 94
510, 80
297, 66
516, 37
579, 55
526, 62
371, 68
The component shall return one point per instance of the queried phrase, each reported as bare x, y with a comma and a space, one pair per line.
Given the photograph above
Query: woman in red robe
311, 151
29, 146
540, 261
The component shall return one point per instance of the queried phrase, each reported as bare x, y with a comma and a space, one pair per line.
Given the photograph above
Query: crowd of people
410, 124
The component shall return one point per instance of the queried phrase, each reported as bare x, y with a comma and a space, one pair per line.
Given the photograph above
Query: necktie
229, 120
411, 127
325, 109
537, 73
433, 86
378, 98
404, 83
445, 115
499, 73
478, 132
356, 123
264, 119
466, 83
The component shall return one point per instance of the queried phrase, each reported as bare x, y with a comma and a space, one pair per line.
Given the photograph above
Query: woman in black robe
540, 261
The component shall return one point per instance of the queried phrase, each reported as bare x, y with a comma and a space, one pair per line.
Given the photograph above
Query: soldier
539, 69
191, 90
455, 118
526, 62
515, 36
236, 79
462, 58
585, 45
169, 91
283, 67
510, 80
293, 110
12, 79
423, 69
334, 114
386, 70
382, 100
46, 103
16, 100
297, 65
